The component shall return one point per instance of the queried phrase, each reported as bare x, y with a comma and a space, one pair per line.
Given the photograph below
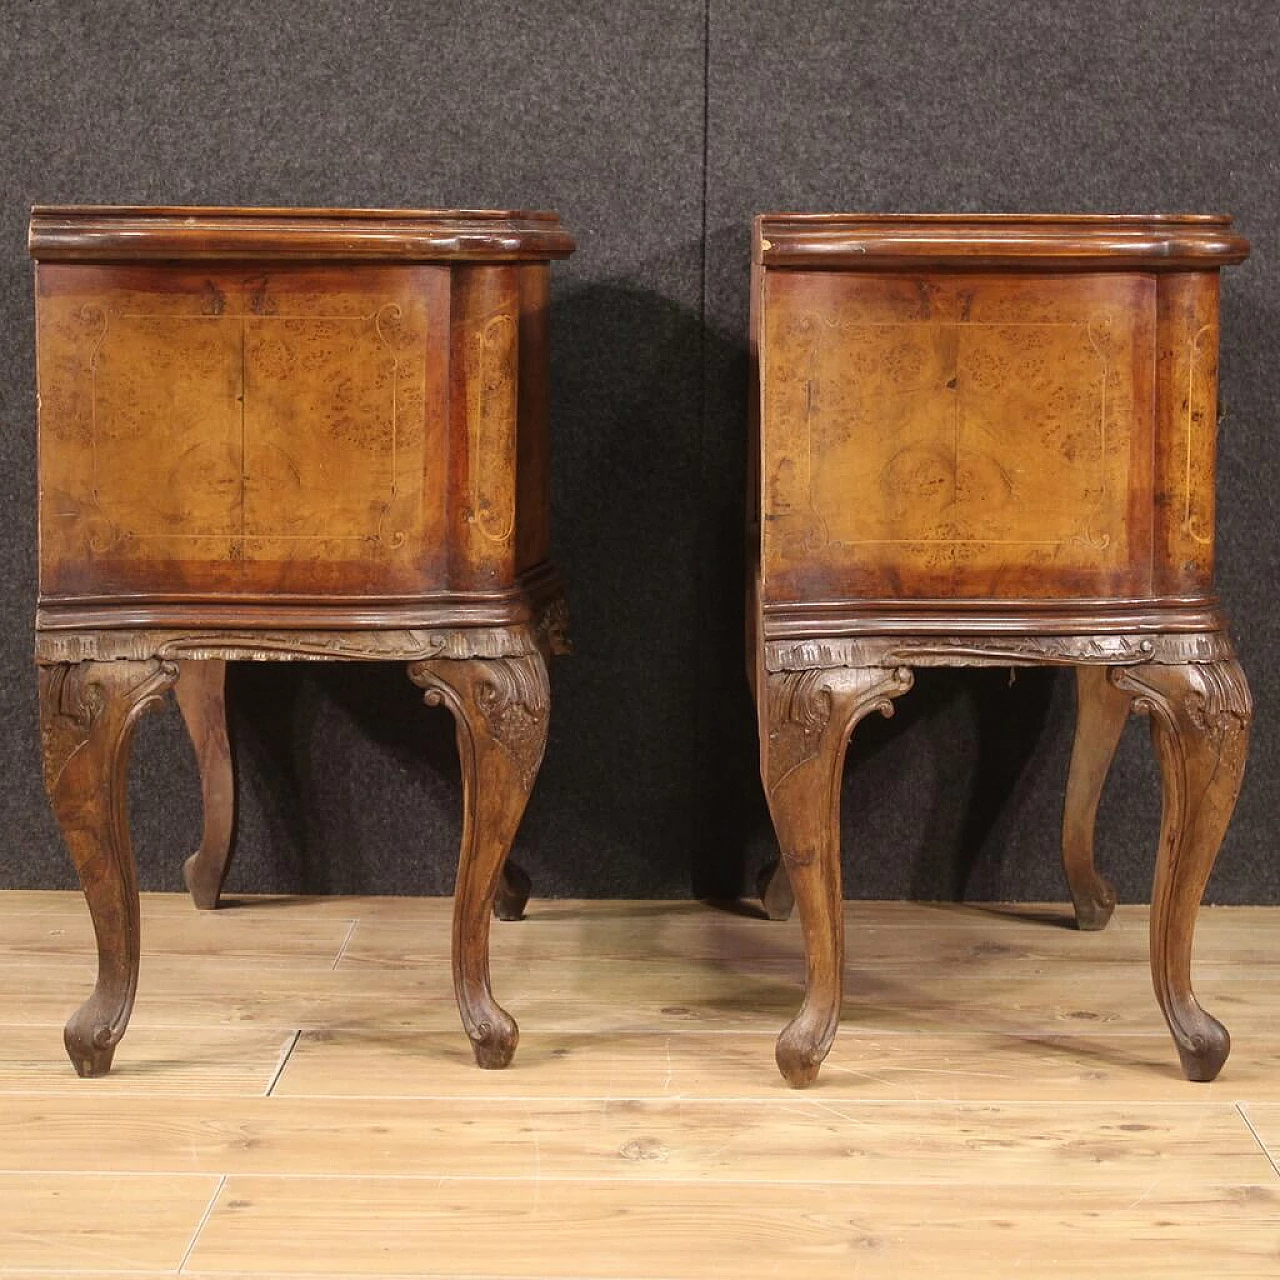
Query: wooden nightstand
991, 441
279, 434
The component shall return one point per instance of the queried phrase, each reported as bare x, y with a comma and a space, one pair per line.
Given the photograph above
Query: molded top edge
874, 241
990, 219
106, 233
221, 213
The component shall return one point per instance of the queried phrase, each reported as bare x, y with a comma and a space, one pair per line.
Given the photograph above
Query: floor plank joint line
284, 1062
204, 1217
1257, 1137
346, 942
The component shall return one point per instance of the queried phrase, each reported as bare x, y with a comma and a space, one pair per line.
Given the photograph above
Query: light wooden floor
295, 1097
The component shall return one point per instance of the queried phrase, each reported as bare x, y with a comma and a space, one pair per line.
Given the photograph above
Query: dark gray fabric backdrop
656, 129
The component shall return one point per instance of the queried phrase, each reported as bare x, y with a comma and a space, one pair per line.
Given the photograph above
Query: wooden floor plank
797, 1138
1263, 1119
632, 921
961, 1067
354, 1226
231, 1061
981, 939
232, 937
80, 1222
622, 996
1003, 1099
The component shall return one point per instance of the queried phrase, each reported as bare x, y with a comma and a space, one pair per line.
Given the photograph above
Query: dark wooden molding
878, 242
106, 233
974, 650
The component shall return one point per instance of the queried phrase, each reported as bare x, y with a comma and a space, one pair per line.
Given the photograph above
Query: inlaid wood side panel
1187, 431
484, 404
241, 430
956, 434
533, 493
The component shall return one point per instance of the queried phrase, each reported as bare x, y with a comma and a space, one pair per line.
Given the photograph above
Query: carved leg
1200, 716
1101, 713
806, 721
201, 697
501, 707
87, 715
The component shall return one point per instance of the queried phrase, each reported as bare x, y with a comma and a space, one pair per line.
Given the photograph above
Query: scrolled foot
204, 896
801, 1051
90, 1042
494, 1039
774, 888
1203, 1045
513, 893
1094, 903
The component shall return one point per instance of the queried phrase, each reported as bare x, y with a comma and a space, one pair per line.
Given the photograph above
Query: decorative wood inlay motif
1202, 365
951, 426
493, 421
236, 421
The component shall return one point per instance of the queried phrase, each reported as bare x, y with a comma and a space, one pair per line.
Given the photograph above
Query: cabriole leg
501, 707
88, 711
201, 697
1101, 713
806, 719
1200, 717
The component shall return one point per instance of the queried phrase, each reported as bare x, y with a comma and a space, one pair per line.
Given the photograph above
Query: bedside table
290, 434
990, 440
